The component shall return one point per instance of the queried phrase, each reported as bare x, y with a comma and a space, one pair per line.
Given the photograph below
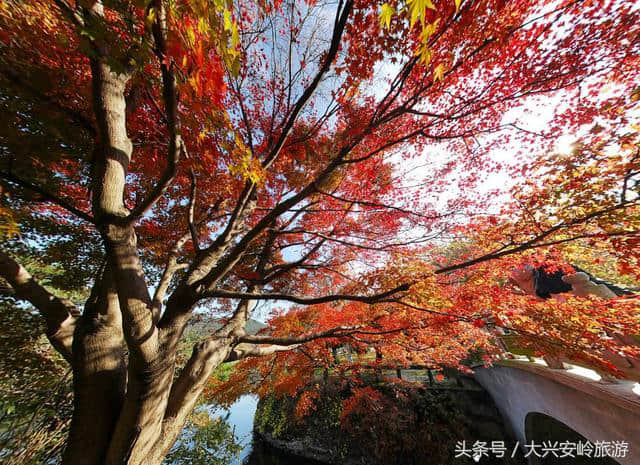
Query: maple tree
223, 153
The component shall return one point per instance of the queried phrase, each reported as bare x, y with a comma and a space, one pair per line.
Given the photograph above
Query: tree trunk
150, 371
99, 376
186, 390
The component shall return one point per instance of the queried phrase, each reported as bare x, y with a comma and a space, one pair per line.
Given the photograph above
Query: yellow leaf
235, 36
352, 92
424, 53
191, 35
438, 73
458, 2
235, 66
202, 26
418, 9
193, 82
227, 20
151, 15
428, 31
386, 13
8, 225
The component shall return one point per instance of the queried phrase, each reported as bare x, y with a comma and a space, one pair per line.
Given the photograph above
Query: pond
429, 424
255, 452
220, 436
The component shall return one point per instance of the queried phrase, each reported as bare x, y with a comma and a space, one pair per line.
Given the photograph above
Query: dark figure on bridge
544, 283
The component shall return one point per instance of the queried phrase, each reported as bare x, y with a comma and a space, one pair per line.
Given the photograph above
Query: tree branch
342, 15
192, 208
48, 196
245, 350
60, 315
203, 271
176, 145
535, 241
222, 293
338, 331
170, 269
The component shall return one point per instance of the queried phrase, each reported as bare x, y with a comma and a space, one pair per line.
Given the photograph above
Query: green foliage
391, 424
35, 382
223, 371
272, 417
205, 441
35, 390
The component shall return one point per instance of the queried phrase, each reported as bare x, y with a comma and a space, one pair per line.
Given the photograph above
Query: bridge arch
541, 428
529, 396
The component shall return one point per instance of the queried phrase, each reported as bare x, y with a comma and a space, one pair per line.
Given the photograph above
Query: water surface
254, 452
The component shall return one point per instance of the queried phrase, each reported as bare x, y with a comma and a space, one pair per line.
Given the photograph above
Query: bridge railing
629, 368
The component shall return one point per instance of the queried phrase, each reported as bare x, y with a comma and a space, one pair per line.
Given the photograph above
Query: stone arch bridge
538, 402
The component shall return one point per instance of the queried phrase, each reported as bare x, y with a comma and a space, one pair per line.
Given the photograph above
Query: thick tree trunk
99, 376
140, 422
142, 410
150, 371
186, 390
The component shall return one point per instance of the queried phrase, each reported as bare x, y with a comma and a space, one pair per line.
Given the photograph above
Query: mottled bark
99, 375
187, 388
149, 372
